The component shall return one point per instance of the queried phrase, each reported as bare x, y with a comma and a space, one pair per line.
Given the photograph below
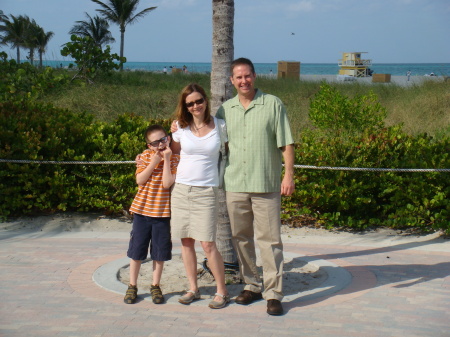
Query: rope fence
369, 169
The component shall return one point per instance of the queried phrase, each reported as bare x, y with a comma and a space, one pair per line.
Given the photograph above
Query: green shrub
23, 81
30, 131
36, 131
362, 199
332, 111
90, 59
350, 133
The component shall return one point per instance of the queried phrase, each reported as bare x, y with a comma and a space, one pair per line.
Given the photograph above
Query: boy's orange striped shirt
152, 199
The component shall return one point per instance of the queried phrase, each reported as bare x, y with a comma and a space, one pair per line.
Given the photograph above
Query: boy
155, 174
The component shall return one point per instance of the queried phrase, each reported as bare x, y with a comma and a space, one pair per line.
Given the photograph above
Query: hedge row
33, 131
335, 198
362, 199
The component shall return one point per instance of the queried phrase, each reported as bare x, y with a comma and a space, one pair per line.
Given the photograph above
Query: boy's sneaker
131, 294
157, 296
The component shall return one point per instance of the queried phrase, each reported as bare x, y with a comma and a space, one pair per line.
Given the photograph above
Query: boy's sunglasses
157, 142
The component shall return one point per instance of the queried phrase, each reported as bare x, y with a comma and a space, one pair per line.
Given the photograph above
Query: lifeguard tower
353, 65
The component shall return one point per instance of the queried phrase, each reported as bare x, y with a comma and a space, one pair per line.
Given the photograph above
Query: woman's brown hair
182, 114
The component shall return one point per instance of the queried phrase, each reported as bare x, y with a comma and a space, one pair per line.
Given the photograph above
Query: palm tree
42, 39
14, 30
32, 29
221, 90
2, 16
121, 12
96, 28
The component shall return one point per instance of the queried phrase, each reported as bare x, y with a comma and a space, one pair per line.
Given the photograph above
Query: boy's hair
153, 128
242, 61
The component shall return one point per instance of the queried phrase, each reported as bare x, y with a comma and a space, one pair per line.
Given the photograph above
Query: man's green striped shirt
255, 137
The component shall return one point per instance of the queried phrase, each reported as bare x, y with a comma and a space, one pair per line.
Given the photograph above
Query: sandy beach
397, 80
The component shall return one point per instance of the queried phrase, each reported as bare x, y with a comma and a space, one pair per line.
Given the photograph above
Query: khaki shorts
194, 212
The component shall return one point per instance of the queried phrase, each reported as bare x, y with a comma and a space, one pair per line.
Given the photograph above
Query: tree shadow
376, 275
402, 246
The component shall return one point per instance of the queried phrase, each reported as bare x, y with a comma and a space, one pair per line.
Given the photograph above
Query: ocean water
395, 69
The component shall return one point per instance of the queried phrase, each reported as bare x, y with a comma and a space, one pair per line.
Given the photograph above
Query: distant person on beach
165, 70
198, 139
151, 208
408, 74
259, 136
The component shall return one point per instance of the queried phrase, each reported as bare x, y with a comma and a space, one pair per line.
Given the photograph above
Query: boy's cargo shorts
150, 232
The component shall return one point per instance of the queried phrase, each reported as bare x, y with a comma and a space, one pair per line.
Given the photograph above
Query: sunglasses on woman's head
198, 102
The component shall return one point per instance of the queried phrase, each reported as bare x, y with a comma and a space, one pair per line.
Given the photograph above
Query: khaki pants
258, 215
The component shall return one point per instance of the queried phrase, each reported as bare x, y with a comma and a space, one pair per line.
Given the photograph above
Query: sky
266, 31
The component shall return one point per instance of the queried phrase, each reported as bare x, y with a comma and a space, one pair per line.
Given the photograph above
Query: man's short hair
242, 61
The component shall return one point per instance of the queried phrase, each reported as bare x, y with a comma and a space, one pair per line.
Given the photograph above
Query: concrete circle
337, 278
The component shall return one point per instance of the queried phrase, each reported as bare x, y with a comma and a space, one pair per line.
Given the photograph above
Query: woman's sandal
219, 304
189, 297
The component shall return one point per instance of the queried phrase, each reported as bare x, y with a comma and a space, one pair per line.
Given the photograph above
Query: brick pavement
396, 289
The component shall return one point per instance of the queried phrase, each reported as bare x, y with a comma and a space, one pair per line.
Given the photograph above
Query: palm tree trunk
18, 55
223, 52
221, 90
122, 43
32, 56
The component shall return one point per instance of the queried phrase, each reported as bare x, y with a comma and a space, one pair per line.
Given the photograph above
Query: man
259, 136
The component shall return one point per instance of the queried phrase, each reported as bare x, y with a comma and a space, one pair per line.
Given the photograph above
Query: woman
194, 196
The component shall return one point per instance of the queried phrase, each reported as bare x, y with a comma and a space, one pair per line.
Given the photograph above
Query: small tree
90, 59
42, 39
337, 114
13, 32
122, 13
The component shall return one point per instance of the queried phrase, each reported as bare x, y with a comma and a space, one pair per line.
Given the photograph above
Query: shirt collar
258, 99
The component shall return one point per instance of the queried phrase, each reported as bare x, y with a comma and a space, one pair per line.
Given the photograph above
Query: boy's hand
157, 158
174, 127
166, 153
138, 160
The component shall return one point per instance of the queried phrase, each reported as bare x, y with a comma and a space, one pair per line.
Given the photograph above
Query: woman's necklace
198, 128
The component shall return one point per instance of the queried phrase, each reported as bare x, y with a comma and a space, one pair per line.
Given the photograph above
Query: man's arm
287, 184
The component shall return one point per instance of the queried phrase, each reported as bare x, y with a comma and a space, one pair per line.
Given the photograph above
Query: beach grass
423, 108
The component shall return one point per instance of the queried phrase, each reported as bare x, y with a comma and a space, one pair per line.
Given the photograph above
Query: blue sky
391, 31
